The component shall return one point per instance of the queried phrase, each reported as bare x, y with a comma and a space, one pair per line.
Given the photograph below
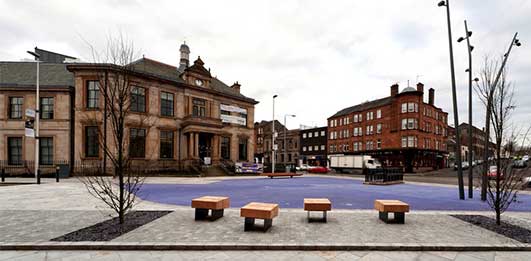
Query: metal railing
384, 175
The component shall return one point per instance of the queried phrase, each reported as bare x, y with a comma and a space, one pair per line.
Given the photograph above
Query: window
309, 135
225, 147
15, 107
166, 104
199, 107
46, 105
242, 145
92, 146
378, 114
45, 151
369, 145
322, 147
166, 144
14, 151
379, 128
316, 134
410, 107
93, 94
304, 135
409, 124
409, 141
138, 99
316, 147
310, 148
379, 144
137, 143
404, 107
370, 130
304, 148
370, 115
323, 134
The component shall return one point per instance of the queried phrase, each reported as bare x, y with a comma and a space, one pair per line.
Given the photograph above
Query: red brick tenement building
401, 130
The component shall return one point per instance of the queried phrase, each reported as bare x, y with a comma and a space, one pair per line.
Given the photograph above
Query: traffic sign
30, 113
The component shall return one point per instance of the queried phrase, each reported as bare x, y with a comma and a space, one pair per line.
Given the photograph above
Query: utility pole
454, 99
285, 130
37, 118
484, 179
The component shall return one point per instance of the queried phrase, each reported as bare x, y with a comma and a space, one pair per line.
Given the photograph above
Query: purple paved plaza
344, 193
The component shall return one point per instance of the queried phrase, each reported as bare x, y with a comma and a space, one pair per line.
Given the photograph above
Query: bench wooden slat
211, 202
317, 204
391, 206
259, 210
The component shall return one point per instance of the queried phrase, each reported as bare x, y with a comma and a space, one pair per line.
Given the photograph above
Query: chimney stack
394, 89
420, 87
431, 96
236, 86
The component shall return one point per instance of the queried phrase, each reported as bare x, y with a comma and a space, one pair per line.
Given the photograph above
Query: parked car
464, 165
493, 171
520, 163
318, 169
302, 167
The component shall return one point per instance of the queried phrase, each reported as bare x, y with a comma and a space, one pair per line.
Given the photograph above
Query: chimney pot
236, 86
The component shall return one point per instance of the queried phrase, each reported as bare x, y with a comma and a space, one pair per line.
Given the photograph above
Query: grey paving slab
291, 227
41, 226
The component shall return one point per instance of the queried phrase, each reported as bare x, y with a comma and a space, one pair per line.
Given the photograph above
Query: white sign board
30, 113
233, 119
231, 108
207, 160
275, 147
29, 133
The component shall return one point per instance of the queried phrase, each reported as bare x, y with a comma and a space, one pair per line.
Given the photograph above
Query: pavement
33, 214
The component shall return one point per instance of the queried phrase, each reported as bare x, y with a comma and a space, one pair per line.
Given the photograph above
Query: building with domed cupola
401, 130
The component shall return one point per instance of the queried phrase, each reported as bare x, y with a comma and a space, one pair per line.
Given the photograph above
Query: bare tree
115, 72
502, 189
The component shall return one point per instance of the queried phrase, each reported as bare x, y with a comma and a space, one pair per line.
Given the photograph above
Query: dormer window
199, 82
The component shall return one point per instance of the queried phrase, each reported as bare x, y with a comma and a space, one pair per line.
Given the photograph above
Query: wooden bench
317, 204
254, 210
281, 174
397, 207
203, 204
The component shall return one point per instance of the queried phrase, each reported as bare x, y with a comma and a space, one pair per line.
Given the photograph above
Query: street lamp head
34, 54
441, 3
517, 42
274, 96
469, 33
460, 39
467, 70
476, 79
471, 48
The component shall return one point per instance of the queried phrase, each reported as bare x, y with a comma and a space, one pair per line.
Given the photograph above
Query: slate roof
170, 72
24, 74
364, 106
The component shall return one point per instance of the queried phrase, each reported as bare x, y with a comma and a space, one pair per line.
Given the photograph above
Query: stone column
190, 145
215, 147
196, 145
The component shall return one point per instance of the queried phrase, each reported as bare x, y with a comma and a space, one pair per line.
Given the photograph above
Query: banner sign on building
240, 119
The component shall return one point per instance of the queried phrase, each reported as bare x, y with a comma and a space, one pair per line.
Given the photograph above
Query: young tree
115, 73
502, 189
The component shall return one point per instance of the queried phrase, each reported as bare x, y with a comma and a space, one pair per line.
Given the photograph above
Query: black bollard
3, 175
38, 176
56, 174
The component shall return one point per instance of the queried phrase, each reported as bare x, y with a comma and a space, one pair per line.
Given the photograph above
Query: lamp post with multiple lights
470, 148
454, 99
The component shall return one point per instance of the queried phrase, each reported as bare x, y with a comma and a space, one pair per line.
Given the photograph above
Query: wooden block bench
254, 210
281, 174
317, 204
397, 207
203, 204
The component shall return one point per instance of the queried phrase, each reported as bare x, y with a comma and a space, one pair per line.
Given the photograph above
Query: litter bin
64, 170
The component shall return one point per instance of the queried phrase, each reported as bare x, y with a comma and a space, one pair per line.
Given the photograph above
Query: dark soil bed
506, 229
111, 229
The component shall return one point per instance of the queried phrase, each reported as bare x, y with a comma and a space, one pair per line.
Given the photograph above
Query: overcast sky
318, 56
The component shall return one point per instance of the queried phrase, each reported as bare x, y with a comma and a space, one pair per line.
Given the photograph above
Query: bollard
57, 174
3, 175
38, 176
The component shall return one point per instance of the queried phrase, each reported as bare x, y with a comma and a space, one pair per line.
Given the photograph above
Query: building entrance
205, 146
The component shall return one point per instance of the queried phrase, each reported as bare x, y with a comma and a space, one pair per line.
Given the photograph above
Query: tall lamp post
470, 148
37, 116
273, 148
484, 180
454, 98
285, 130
